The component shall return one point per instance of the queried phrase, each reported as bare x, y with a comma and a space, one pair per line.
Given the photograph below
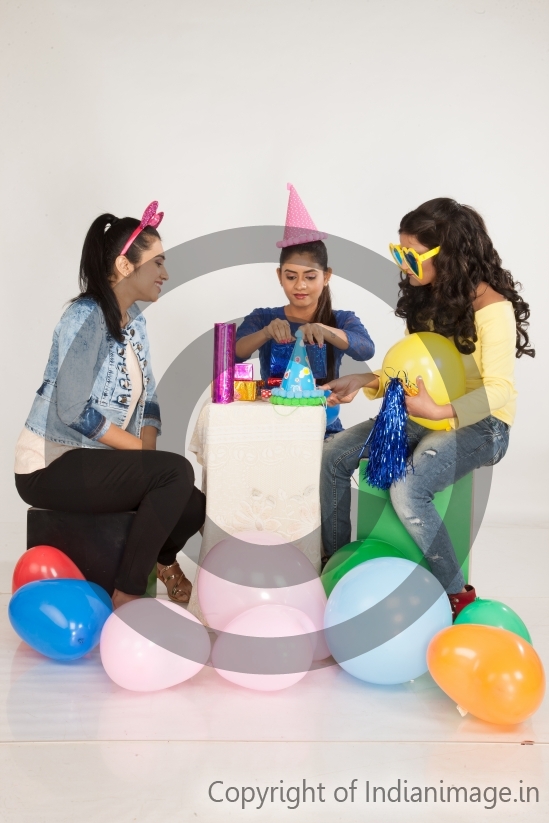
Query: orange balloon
492, 673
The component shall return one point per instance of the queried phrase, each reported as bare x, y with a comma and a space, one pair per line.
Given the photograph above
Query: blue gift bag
282, 352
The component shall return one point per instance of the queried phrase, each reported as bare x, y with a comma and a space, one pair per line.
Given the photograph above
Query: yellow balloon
436, 360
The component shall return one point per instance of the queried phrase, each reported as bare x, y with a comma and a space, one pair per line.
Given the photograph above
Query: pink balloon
264, 621
221, 600
139, 664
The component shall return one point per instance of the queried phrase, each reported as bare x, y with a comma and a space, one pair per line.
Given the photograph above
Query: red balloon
42, 563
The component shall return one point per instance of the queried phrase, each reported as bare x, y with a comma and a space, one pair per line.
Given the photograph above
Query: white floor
73, 746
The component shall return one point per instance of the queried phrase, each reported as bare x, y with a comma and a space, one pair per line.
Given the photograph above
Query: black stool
94, 542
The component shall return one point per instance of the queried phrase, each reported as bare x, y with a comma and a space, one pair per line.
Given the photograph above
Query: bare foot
119, 598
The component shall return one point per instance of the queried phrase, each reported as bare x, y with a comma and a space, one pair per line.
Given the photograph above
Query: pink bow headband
150, 218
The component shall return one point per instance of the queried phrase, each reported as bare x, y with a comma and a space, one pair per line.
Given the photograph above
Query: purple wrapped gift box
243, 371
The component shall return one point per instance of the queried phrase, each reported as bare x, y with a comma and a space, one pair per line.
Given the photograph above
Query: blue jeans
440, 458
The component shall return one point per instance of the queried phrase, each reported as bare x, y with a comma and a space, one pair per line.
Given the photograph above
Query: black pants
159, 486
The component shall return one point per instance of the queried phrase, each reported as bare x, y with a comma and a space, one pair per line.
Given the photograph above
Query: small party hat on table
298, 386
299, 225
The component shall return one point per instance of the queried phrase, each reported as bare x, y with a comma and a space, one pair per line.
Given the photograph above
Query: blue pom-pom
388, 439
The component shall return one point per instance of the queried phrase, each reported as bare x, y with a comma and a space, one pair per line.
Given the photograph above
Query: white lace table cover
261, 472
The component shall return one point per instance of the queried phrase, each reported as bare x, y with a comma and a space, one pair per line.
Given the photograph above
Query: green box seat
378, 519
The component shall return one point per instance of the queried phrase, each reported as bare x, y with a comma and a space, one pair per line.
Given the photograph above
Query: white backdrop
210, 106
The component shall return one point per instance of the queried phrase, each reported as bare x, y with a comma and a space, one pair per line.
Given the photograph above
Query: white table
261, 471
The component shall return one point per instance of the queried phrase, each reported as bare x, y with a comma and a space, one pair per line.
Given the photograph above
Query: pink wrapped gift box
243, 371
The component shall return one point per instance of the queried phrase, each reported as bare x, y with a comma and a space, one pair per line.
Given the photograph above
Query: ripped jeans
439, 459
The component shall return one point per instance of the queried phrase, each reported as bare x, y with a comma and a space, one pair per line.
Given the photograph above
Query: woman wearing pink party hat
304, 275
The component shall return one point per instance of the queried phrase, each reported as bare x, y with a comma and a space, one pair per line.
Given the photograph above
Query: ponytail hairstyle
104, 241
466, 258
318, 252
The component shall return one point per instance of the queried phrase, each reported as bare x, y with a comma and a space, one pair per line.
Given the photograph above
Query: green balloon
359, 551
493, 613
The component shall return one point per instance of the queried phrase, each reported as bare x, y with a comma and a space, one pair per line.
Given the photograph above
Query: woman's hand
313, 333
320, 334
279, 331
345, 389
423, 405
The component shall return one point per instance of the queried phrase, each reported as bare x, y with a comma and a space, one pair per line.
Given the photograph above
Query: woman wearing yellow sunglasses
452, 282
410, 260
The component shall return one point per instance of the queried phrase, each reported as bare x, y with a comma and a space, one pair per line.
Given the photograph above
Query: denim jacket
86, 383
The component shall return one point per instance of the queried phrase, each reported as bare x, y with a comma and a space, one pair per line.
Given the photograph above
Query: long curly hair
467, 257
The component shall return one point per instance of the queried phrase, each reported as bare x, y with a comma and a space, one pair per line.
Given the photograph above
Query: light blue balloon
60, 618
395, 648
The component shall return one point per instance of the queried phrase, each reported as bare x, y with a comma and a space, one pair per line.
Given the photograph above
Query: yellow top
489, 371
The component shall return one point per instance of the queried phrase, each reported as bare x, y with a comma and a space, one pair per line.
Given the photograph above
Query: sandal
180, 589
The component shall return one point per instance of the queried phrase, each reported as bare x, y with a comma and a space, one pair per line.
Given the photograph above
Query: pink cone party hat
299, 226
298, 385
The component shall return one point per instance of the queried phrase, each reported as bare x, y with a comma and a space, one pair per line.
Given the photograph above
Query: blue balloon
59, 618
332, 412
381, 617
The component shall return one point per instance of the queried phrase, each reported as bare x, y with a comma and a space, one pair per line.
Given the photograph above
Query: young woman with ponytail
452, 282
304, 275
89, 442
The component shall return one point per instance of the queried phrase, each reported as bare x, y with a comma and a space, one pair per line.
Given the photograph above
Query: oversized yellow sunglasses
411, 259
